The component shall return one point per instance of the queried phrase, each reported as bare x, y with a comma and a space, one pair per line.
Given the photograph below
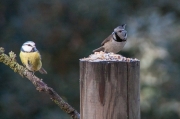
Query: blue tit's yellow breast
31, 60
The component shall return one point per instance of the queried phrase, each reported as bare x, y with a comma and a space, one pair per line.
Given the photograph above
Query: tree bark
109, 90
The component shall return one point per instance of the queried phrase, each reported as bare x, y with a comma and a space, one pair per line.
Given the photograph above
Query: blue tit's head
29, 46
120, 32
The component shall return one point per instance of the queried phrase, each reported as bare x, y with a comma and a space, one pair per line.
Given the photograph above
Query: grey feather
42, 71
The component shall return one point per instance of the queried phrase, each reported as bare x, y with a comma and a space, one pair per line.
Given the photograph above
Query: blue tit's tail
42, 71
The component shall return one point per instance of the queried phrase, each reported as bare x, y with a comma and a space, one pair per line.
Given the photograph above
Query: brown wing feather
107, 39
99, 49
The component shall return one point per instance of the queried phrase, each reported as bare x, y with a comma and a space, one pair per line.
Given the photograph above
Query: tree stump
110, 89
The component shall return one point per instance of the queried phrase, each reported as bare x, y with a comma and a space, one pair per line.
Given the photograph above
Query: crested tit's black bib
117, 38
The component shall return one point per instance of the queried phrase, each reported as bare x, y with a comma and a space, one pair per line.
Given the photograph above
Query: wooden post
109, 90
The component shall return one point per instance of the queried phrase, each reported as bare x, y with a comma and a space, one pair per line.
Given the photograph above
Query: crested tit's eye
120, 31
29, 45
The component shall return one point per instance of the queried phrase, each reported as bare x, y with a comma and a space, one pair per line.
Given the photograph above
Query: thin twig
38, 83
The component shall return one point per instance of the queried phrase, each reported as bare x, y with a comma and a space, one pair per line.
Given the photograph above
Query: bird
31, 58
114, 42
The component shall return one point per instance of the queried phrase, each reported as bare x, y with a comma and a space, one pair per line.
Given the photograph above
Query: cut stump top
102, 56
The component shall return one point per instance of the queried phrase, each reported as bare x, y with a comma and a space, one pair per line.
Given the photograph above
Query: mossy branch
38, 83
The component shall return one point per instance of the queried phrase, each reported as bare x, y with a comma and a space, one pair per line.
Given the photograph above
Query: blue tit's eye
120, 31
29, 45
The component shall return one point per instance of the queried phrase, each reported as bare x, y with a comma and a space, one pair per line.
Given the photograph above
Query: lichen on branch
11, 62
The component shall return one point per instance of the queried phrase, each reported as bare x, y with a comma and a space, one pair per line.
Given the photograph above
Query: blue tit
31, 58
114, 42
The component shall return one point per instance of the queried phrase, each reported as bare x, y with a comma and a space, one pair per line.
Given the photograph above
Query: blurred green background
66, 30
